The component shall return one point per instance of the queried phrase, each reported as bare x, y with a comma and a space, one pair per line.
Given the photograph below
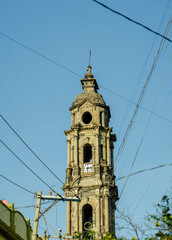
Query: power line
30, 169
144, 170
120, 178
16, 184
139, 101
35, 154
130, 101
47, 222
141, 73
142, 95
149, 184
69, 70
148, 122
34, 205
39, 54
131, 20
27, 206
30, 149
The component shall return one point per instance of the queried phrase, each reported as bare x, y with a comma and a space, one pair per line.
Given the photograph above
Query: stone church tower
89, 172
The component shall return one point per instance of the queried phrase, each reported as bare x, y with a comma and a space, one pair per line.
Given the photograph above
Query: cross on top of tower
89, 73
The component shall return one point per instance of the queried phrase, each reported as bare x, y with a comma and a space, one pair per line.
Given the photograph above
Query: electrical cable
149, 184
152, 110
39, 54
131, 20
148, 122
132, 174
34, 205
35, 154
30, 169
50, 225
144, 170
155, 102
28, 206
128, 100
30, 149
142, 95
141, 74
25, 189
140, 171
46, 227
132, 97
73, 72
67, 69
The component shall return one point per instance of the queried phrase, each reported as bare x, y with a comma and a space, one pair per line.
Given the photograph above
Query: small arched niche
87, 153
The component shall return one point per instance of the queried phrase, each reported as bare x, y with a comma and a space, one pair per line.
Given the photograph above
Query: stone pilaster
68, 153
108, 149
106, 212
68, 219
111, 150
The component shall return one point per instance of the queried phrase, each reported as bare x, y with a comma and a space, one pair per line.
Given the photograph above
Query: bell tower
89, 172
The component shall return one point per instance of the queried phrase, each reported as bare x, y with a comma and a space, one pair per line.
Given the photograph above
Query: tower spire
90, 58
89, 74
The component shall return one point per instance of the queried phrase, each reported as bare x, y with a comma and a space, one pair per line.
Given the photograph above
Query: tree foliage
162, 221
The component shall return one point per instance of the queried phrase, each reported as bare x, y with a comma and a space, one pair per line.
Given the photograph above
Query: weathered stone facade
89, 172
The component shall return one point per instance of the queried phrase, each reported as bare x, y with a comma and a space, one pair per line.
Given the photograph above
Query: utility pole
38, 206
36, 219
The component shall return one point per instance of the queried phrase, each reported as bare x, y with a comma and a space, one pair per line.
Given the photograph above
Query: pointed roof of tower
90, 87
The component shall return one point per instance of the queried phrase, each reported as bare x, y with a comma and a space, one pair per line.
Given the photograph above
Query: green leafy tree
90, 235
162, 221
78, 235
109, 236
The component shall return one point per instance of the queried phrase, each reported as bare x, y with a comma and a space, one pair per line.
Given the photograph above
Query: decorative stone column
68, 153
77, 209
97, 152
108, 149
106, 199
101, 214
68, 222
98, 216
75, 150
111, 150
104, 148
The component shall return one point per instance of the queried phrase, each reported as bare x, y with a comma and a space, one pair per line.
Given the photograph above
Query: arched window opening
101, 114
87, 153
87, 218
101, 151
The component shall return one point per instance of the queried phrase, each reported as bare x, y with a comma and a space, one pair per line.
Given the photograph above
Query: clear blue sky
35, 94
